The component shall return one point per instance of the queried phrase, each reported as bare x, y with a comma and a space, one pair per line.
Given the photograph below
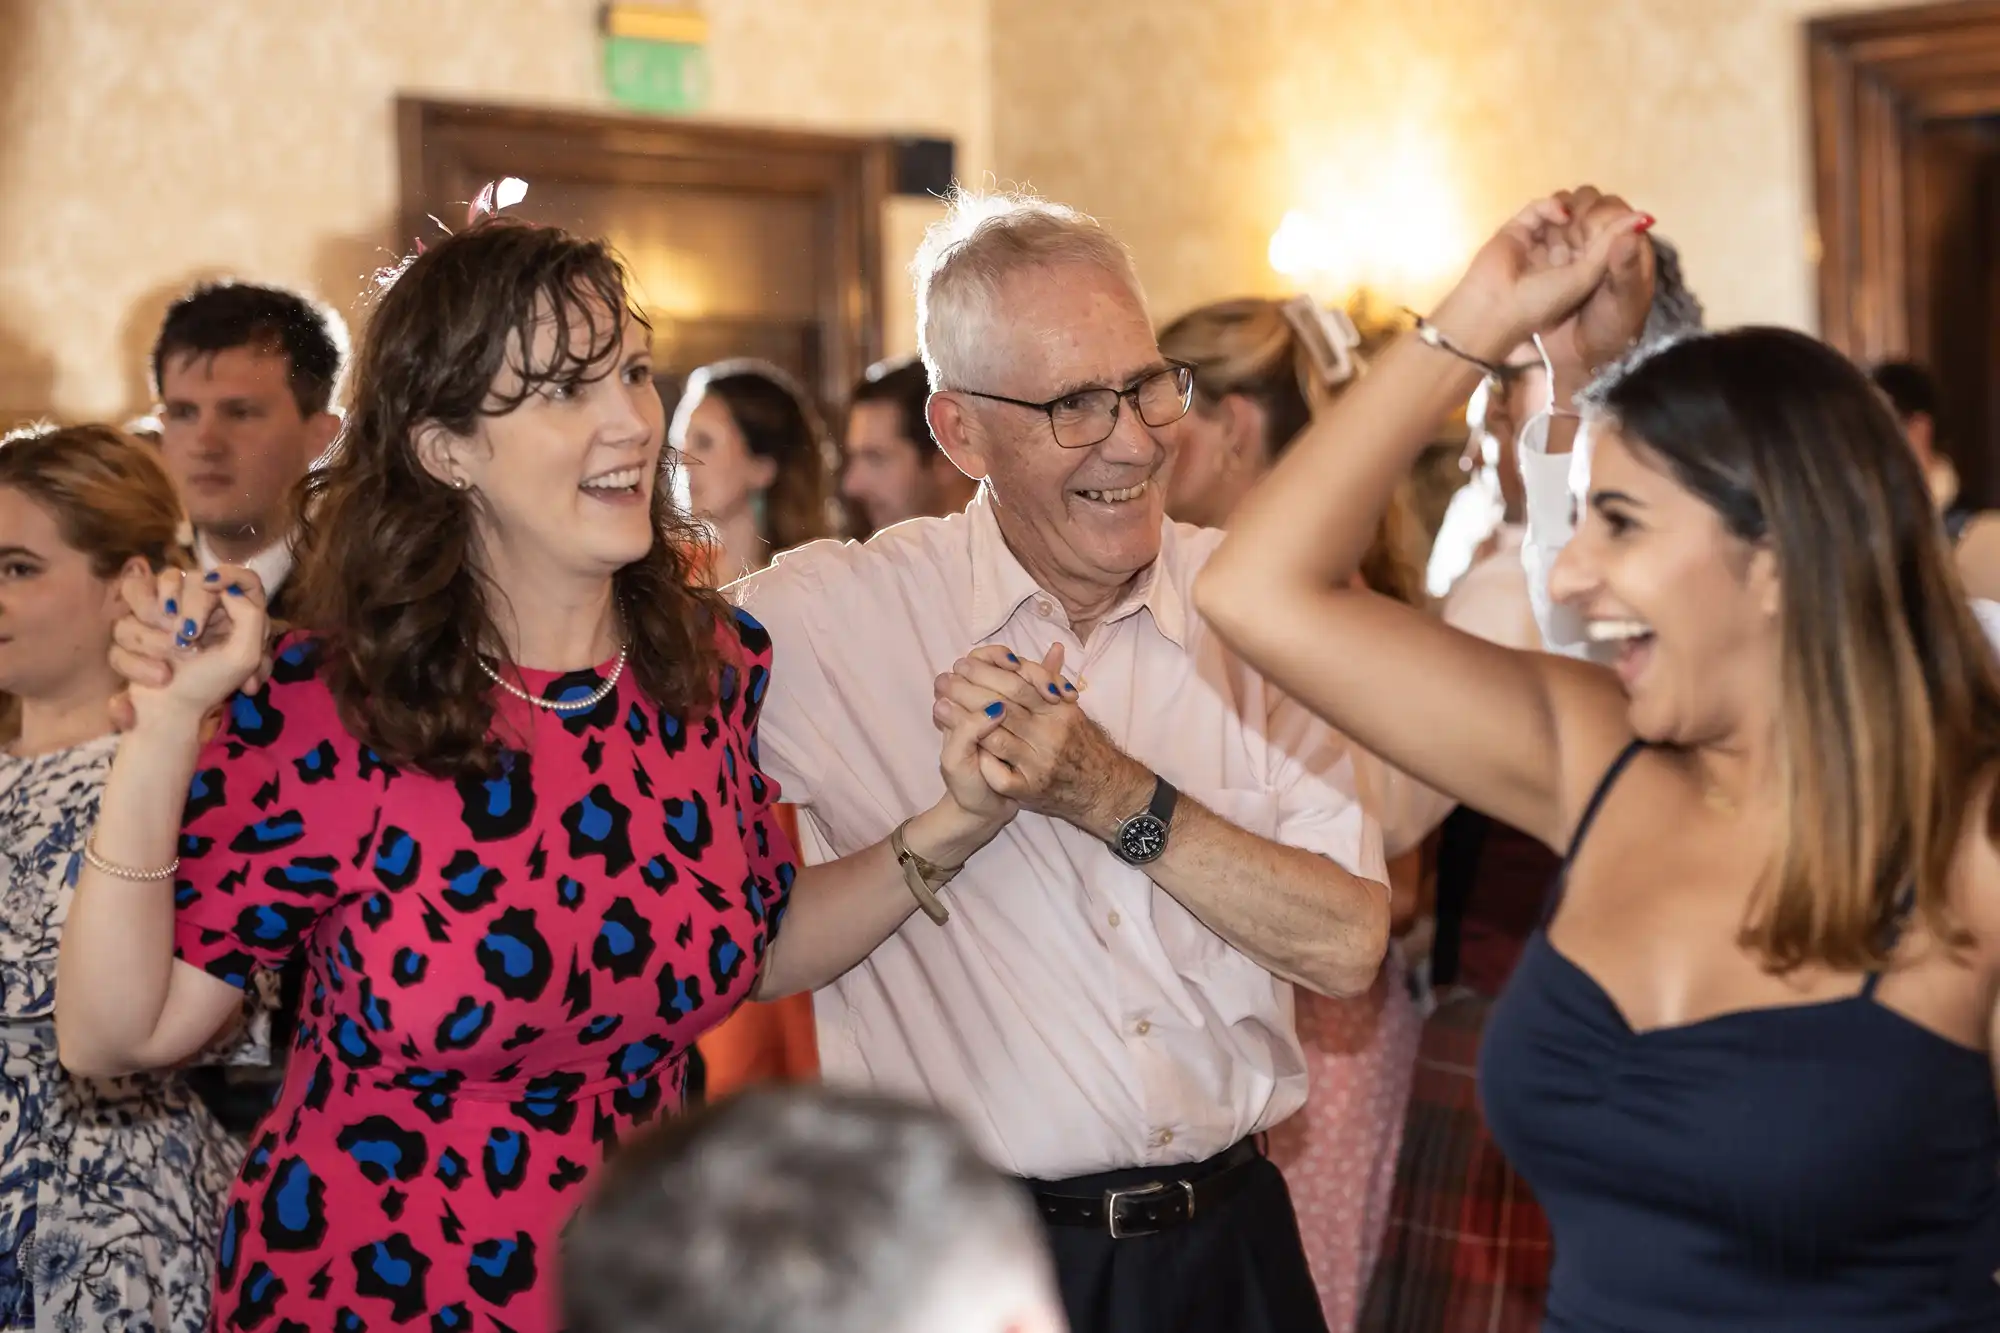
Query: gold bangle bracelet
98, 863
923, 878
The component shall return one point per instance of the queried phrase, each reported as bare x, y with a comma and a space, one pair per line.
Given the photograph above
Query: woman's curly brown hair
386, 576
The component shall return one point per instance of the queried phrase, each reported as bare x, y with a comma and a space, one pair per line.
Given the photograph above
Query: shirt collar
271, 565
1001, 584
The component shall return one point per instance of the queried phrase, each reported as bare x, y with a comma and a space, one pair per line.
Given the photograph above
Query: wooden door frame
1872, 80
448, 150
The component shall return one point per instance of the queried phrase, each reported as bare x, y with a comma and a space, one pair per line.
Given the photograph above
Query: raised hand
1611, 318
188, 642
1541, 267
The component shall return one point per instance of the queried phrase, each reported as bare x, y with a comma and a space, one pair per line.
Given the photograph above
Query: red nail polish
1646, 222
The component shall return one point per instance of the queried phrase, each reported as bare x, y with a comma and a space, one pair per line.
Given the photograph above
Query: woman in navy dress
1747, 1063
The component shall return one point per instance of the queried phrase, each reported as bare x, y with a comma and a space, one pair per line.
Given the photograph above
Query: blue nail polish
235, 591
188, 627
995, 709
1071, 688
212, 577
173, 607
1015, 660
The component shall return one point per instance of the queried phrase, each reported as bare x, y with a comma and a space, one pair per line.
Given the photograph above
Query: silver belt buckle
1112, 1198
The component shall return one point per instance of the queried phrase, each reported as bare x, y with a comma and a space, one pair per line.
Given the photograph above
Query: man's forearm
1294, 912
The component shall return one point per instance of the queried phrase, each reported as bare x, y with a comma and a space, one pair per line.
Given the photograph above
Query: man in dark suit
245, 377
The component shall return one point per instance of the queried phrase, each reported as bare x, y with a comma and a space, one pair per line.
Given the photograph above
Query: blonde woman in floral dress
110, 1190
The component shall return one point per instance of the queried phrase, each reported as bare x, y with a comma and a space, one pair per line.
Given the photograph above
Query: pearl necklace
583, 705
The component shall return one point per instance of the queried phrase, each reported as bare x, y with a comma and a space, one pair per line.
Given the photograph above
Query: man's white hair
968, 255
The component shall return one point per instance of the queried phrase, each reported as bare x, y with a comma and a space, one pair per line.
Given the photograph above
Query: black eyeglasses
1088, 416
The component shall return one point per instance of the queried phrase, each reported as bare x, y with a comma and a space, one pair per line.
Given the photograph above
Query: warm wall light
1378, 214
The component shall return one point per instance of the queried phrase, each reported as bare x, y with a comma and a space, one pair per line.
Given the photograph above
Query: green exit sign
656, 76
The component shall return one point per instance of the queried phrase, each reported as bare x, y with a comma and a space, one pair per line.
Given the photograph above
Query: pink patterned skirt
1338, 1155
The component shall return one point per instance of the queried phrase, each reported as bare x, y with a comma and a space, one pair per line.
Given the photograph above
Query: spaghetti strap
1906, 902
1596, 803
1590, 809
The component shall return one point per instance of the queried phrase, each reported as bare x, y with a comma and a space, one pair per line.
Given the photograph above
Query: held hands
1613, 315
1040, 750
187, 643
1574, 267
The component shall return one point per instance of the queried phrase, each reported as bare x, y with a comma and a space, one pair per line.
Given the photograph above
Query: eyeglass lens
1088, 418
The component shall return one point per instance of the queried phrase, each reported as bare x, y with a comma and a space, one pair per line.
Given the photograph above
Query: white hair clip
1329, 335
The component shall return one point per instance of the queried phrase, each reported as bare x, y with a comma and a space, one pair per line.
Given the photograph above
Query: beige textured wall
1192, 126
145, 142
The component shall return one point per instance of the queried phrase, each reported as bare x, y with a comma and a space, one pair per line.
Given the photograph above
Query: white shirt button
1114, 919
1044, 608
1164, 1137
1142, 1027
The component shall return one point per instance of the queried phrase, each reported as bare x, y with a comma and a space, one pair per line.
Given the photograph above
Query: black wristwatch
1142, 838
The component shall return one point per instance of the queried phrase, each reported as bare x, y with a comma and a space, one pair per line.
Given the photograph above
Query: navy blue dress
1824, 1168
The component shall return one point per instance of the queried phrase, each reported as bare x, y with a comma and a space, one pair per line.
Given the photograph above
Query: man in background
245, 377
803, 1210
891, 469
1975, 536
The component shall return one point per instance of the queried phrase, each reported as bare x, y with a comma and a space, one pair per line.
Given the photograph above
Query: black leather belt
1147, 1208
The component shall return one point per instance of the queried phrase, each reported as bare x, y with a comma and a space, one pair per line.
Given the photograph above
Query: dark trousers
1238, 1268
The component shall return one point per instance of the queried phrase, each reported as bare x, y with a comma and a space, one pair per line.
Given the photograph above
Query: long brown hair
386, 575
1251, 347
110, 499
1891, 694
779, 422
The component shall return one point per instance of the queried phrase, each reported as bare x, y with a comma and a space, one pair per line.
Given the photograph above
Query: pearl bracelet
98, 863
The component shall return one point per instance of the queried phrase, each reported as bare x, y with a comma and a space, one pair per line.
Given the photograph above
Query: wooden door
742, 242
1904, 105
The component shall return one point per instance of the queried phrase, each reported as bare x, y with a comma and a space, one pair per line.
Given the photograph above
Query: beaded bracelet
98, 863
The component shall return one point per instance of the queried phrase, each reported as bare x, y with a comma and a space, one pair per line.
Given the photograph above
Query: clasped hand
187, 642
1036, 748
1575, 269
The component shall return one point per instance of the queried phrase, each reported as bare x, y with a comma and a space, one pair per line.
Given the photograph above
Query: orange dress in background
763, 1043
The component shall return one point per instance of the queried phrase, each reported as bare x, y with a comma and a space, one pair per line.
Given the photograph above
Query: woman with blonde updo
1263, 370
113, 1188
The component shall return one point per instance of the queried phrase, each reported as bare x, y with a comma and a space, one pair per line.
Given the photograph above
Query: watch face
1143, 839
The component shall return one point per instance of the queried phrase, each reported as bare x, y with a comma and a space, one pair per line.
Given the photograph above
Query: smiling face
55, 613
1693, 609
563, 484
1088, 517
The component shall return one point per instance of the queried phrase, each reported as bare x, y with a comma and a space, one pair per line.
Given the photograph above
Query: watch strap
1165, 798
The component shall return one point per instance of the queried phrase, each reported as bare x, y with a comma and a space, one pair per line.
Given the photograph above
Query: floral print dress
111, 1190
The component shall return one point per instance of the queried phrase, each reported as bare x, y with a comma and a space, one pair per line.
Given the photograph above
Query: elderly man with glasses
1150, 845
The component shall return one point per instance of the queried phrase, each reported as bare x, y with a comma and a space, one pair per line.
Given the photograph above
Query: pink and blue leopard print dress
506, 975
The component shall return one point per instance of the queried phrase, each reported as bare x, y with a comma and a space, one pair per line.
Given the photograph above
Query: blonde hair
1253, 347
109, 497
108, 494
966, 256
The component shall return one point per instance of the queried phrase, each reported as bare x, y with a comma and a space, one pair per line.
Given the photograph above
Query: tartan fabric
1468, 1247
